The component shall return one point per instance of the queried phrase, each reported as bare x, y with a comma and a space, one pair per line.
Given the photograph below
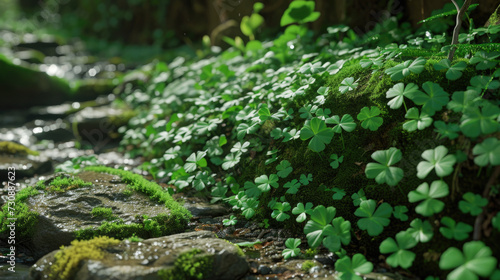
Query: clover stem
479, 172
406, 109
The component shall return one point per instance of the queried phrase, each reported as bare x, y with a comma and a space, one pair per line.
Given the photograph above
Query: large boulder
89, 204
193, 255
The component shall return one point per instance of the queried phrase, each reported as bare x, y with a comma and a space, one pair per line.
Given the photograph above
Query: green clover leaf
358, 197
299, 12
194, 160
432, 100
346, 123
430, 205
487, 152
371, 220
319, 223
284, 168
336, 161
347, 84
338, 234
320, 134
305, 180
472, 203
302, 210
476, 122
438, 160
349, 269
454, 72
421, 231
446, 130
265, 183
279, 211
453, 230
230, 222
383, 172
292, 186
484, 60
292, 248
231, 160
416, 121
404, 69
399, 212
461, 100
398, 92
475, 260
400, 256
369, 118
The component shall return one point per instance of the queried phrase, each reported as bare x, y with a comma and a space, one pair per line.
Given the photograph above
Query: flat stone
143, 260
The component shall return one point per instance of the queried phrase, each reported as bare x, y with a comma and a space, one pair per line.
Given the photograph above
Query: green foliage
476, 122
336, 161
454, 72
472, 203
264, 183
369, 118
438, 160
192, 264
302, 211
62, 184
400, 212
429, 205
406, 68
373, 220
432, 100
398, 92
447, 14
347, 84
421, 231
299, 12
284, 169
249, 24
320, 134
231, 221
350, 269
106, 213
487, 152
292, 248
400, 256
279, 211
383, 172
319, 230
417, 121
476, 260
453, 230
76, 163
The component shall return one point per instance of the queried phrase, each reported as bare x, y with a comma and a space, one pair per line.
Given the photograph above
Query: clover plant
454, 72
302, 211
338, 193
292, 186
421, 231
349, 269
336, 161
358, 197
279, 211
487, 152
306, 179
299, 12
417, 121
476, 260
318, 132
400, 212
438, 160
230, 222
346, 123
429, 205
382, 171
472, 204
433, 100
400, 256
369, 118
284, 169
195, 160
292, 248
404, 69
453, 230
449, 130
347, 84
476, 122
484, 60
373, 220
398, 92
264, 183
322, 230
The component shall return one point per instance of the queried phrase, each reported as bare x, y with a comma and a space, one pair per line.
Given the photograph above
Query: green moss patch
191, 265
12, 148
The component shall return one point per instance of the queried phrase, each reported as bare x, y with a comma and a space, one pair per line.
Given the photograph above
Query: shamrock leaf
320, 134
371, 220
320, 221
433, 100
339, 194
249, 206
416, 121
475, 260
290, 134
292, 186
472, 203
430, 205
279, 211
484, 60
484, 82
301, 211
347, 84
453, 230
454, 72
476, 122
346, 123
251, 189
398, 92
231, 160
399, 213
338, 234
194, 160
350, 270
421, 232
239, 147
404, 69
461, 100
284, 168
299, 12
308, 111
487, 152
383, 172
446, 130
310, 68
336, 161
244, 129
369, 118
358, 197
400, 255
335, 68
438, 160
292, 248
305, 180
230, 222
265, 183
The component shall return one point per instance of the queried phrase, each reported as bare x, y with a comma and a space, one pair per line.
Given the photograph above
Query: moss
307, 265
16, 208
62, 184
189, 265
106, 213
68, 259
12, 148
240, 252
